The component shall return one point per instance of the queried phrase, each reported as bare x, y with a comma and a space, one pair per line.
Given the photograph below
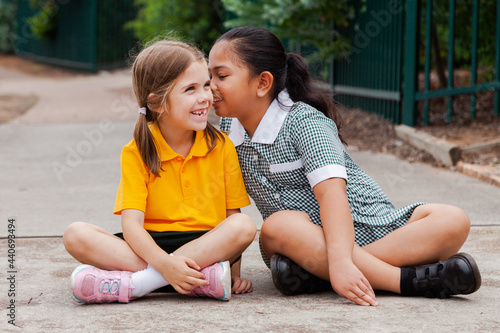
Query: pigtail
154, 72
211, 137
146, 143
301, 87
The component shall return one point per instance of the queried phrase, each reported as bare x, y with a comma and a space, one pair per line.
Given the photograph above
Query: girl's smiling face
235, 91
189, 100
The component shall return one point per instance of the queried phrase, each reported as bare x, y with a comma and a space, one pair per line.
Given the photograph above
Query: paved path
59, 163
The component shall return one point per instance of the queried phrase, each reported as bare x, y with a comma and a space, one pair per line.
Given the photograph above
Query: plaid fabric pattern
276, 175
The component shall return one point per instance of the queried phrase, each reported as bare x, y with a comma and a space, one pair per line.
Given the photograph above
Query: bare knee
459, 221
74, 237
274, 234
455, 221
455, 226
243, 229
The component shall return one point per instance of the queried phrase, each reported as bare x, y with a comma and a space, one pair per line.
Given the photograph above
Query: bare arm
239, 285
181, 272
347, 280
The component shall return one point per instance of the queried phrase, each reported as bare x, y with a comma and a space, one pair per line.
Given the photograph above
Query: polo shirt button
187, 183
183, 169
179, 158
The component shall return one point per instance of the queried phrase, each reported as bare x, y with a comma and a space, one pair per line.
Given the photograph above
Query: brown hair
154, 73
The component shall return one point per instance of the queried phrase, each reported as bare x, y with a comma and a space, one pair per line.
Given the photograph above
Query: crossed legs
95, 246
434, 232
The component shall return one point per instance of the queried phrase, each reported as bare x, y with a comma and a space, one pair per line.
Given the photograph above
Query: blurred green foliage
304, 24
44, 23
463, 30
8, 26
198, 22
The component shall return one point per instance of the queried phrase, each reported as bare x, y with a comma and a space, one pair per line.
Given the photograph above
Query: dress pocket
289, 166
288, 175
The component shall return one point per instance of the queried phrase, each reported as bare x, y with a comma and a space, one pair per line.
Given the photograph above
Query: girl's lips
200, 112
216, 101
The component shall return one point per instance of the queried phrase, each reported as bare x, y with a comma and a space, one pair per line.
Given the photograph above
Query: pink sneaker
219, 276
94, 285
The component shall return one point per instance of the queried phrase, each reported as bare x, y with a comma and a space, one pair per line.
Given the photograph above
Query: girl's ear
154, 99
266, 80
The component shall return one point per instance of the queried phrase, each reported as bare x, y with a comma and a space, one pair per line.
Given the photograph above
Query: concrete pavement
59, 163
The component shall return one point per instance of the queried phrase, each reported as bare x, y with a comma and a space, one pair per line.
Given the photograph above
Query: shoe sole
225, 281
75, 272
473, 266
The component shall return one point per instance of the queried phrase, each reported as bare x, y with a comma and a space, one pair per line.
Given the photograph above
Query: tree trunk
437, 57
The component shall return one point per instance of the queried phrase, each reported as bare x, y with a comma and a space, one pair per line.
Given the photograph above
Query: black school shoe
291, 279
458, 275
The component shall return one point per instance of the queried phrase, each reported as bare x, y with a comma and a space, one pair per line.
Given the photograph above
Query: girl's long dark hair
261, 51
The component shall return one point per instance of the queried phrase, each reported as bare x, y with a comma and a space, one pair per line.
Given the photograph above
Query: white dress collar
269, 126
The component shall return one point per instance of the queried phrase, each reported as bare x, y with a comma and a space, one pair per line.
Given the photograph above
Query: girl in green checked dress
327, 223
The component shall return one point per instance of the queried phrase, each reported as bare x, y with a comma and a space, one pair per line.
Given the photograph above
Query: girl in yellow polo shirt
179, 197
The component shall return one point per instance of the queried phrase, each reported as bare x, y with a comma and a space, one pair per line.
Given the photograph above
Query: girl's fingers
197, 275
236, 286
362, 297
246, 287
369, 290
196, 282
181, 290
358, 298
369, 287
193, 272
241, 286
191, 263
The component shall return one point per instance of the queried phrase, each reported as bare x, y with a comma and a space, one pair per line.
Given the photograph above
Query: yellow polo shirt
192, 192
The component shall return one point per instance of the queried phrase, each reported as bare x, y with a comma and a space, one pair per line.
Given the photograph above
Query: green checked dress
294, 148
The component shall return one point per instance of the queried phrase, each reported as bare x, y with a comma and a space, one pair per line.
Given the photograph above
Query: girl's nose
205, 96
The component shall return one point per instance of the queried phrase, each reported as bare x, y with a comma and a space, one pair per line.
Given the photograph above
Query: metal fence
89, 34
388, 39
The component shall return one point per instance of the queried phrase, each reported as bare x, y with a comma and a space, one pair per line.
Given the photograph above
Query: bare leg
95, 246
291, 234
227, 241
90, 244
434, 232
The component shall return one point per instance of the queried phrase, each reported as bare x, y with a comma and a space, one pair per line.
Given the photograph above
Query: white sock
146, 281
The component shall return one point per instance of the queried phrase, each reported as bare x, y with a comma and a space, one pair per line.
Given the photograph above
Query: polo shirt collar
269, 126
199, 147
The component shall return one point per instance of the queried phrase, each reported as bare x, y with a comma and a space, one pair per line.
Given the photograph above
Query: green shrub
304, 26
198, 22
44, 23
7, 26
